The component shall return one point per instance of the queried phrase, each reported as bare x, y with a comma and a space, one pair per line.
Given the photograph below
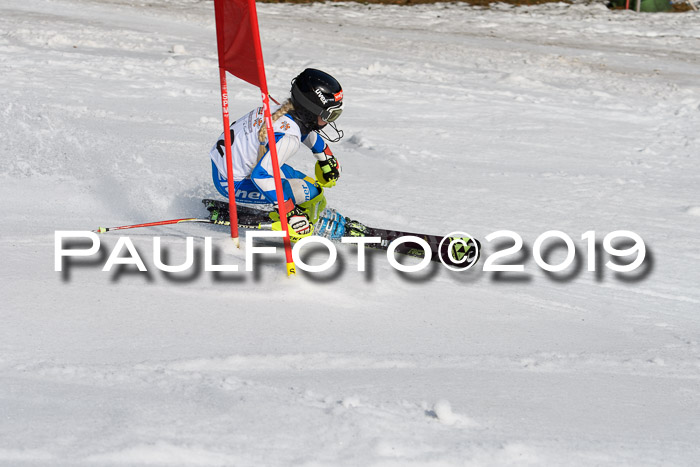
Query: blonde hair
262, 134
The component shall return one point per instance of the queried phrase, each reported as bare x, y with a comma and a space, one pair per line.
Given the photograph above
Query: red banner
238, 39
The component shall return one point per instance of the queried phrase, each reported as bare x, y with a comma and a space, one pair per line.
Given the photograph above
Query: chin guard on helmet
325, 136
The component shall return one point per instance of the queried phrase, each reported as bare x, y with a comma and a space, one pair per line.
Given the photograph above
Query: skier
316, 102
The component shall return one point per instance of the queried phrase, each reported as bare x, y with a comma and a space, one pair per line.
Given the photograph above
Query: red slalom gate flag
240, 53
236, 36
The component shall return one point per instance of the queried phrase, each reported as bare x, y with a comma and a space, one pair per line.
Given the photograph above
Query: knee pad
301, 190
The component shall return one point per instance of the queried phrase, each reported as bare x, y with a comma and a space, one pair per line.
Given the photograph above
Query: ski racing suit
253, 177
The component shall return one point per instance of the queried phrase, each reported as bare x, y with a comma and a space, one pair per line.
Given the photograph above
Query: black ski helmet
316, 94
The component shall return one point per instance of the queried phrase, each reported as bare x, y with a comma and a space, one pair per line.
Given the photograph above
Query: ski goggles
331, 114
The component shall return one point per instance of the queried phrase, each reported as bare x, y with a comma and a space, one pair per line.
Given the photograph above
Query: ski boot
218, 211
331, 225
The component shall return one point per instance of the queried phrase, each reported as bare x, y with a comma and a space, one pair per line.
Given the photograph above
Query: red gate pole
282, 206
233, 213
272, 143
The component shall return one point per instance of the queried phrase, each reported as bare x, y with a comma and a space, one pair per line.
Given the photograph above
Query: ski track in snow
566, 117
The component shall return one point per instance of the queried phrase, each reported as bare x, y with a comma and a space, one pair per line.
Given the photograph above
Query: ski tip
236, 242
100, 230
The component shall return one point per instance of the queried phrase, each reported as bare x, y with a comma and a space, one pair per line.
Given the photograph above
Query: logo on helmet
319, 93
338, 96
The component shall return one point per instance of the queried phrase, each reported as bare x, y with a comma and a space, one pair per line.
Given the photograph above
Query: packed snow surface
556, 117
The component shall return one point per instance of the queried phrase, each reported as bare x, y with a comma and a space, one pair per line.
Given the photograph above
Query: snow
529, 119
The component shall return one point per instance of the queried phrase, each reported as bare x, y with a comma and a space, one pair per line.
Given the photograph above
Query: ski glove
327, 171
298, 221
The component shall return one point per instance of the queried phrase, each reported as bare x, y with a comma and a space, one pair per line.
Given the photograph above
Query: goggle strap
305, 102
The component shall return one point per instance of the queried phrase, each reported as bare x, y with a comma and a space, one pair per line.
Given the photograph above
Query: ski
453, 251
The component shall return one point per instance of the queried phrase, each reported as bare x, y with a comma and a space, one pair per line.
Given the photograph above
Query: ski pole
261, 225
153, 224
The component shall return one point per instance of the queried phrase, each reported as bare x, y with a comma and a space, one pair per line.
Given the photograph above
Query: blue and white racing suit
253, 178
